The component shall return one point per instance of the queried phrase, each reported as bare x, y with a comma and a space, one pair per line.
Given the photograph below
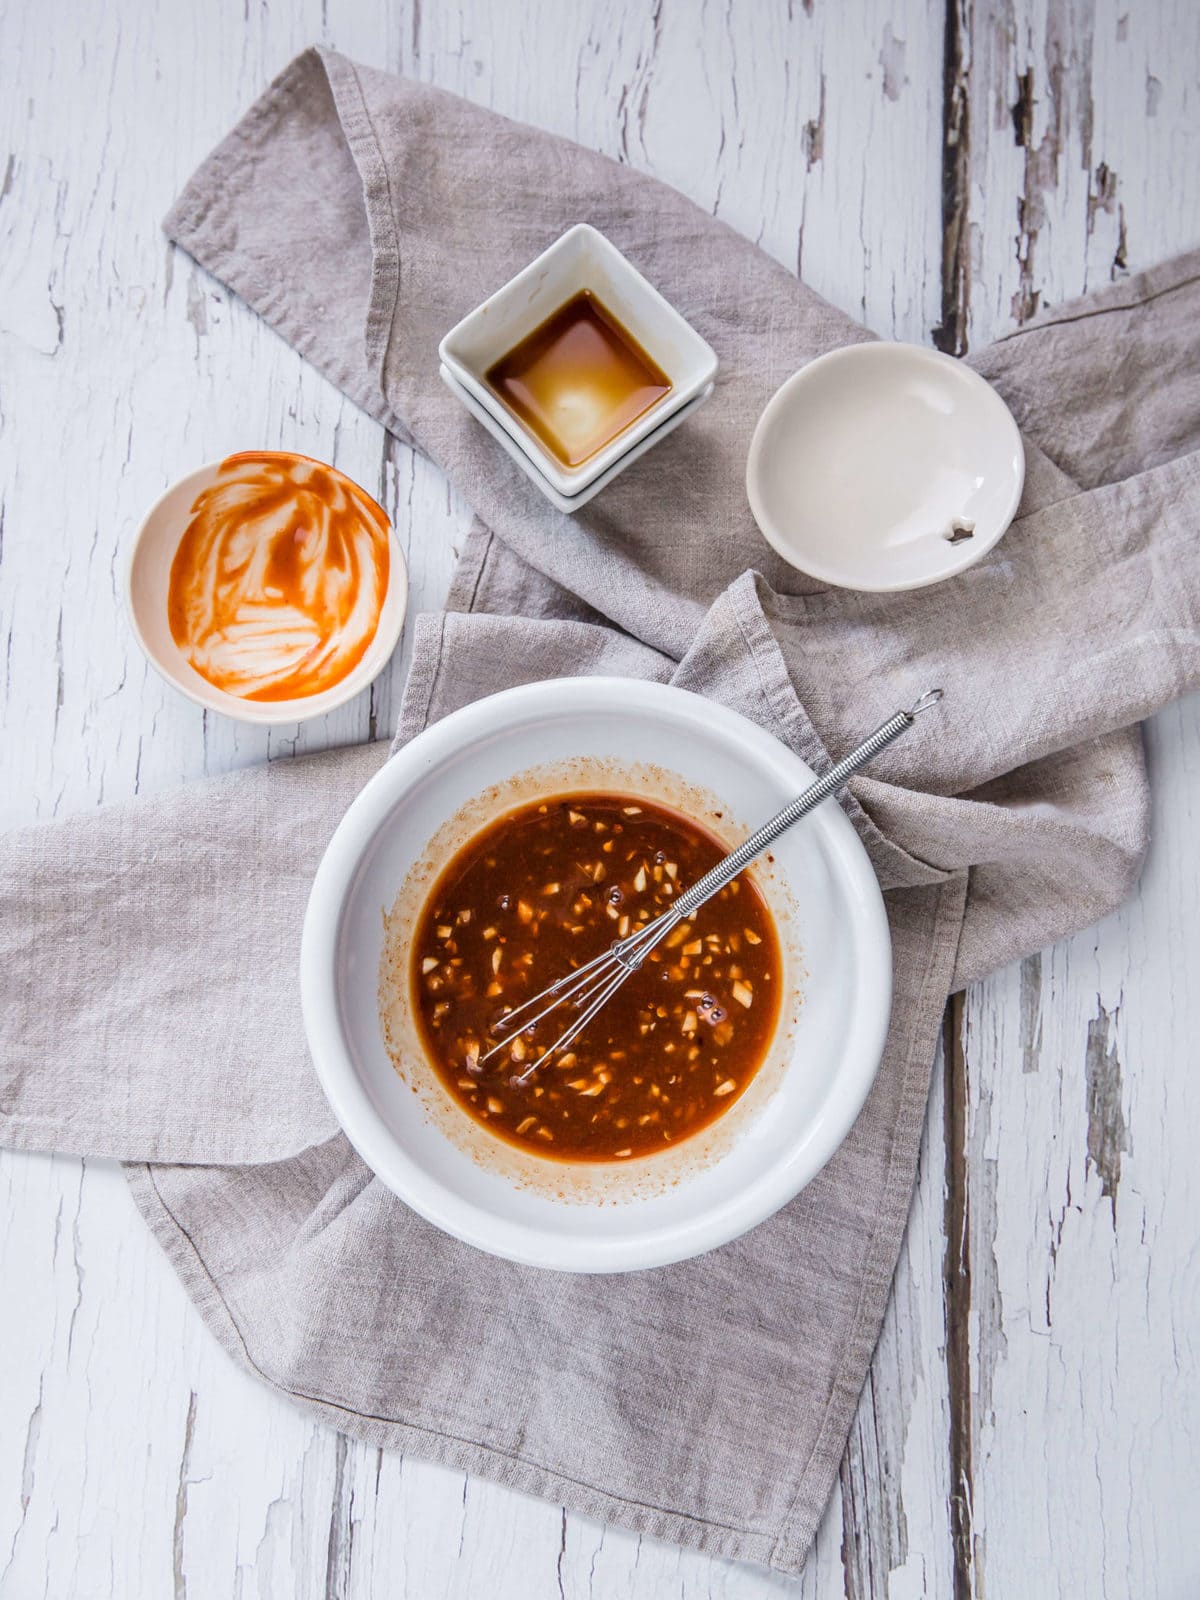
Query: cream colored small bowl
883, 467
147, 583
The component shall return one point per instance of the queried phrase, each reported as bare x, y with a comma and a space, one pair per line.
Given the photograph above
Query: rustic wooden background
1031, 1426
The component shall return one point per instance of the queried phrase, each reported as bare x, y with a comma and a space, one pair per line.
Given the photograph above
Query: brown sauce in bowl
546, 888
578, 380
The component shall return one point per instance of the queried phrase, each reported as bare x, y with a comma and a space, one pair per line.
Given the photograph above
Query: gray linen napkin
707, 1402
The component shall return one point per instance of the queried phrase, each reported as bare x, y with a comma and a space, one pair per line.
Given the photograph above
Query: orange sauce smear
278, 583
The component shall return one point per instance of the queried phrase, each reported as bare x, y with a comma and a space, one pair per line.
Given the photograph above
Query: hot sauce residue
548, 887
278, 583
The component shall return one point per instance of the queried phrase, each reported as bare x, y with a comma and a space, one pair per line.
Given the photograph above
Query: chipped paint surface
891, 59
940, 171
1031, 1013
1107, 1135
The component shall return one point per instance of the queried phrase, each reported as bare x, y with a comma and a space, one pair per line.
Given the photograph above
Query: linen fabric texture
148, 953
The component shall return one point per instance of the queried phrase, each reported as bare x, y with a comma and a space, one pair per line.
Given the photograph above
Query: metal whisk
593, 985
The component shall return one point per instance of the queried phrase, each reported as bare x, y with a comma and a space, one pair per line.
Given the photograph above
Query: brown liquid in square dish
578, 380
543, 890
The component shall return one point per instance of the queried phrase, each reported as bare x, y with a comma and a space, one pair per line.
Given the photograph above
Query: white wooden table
1031, 1426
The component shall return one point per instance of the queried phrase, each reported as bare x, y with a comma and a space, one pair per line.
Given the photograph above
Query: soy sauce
578, 380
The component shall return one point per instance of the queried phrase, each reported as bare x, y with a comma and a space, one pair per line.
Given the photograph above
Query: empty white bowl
885, 466
147, 584
581, 259
572, 735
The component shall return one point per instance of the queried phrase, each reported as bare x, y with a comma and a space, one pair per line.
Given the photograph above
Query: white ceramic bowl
147, 582
884, 467
575, 734
581, 259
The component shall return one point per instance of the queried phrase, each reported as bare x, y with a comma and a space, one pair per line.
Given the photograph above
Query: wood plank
1073, 1171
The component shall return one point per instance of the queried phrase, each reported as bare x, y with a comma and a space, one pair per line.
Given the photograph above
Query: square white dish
581, 259
512, 449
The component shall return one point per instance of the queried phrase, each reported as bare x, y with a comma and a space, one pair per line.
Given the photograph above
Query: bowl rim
563, 503
971, 551
571, 482
270, 713
863, 1041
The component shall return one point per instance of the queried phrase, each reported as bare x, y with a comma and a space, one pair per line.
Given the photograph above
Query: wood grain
1071, 1175
1028, 1426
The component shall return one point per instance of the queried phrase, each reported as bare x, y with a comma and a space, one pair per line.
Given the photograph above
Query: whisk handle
725, 871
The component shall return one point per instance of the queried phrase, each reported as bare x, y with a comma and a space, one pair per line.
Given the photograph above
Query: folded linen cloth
707, 1402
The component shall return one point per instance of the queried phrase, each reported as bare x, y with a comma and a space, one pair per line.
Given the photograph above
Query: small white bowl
581, 259
570, 735
147, 584
885, 466
515, 454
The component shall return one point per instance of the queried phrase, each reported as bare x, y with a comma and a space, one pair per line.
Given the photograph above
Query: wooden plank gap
957, 1294
950, 335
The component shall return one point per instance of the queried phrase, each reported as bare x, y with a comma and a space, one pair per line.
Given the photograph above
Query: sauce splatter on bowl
344, 646
277, 586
